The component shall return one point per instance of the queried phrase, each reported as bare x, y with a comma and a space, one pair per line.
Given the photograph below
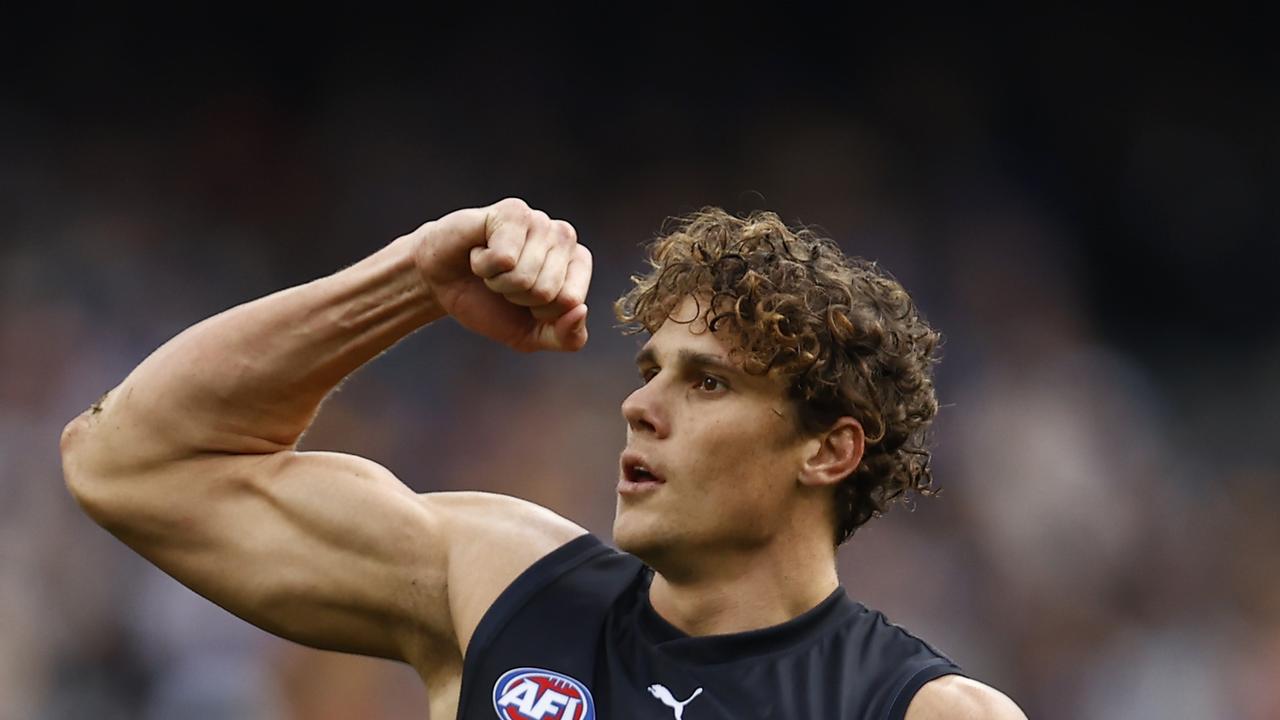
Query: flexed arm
191, 459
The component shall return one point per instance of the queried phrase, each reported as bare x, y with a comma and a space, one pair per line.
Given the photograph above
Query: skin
745, 509
192, 461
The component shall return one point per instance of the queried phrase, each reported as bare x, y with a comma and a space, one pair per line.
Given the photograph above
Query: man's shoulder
490, 541
954, 697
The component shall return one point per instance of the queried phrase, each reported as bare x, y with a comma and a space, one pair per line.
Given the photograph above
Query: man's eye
710, 384
647, 375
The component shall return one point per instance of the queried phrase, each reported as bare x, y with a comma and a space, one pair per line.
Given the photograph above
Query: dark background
1084, 203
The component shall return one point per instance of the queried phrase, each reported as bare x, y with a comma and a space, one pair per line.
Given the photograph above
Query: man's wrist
406, 252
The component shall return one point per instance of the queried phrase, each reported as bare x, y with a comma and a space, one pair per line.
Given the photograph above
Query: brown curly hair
843, 331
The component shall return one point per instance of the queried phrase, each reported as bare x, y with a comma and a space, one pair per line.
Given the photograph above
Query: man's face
721, 442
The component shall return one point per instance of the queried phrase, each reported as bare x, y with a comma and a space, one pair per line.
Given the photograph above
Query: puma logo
665, 696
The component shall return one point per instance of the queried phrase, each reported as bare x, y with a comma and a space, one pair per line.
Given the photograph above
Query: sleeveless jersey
575, 638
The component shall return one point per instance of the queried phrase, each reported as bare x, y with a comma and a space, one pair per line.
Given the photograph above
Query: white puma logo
664, 695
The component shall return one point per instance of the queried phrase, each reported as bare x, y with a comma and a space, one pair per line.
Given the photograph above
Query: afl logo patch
534, 694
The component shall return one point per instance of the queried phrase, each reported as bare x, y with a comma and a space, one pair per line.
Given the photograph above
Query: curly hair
842, 331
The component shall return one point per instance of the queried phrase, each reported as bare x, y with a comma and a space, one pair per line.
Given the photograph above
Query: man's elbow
70, 447
91, 467
78, 477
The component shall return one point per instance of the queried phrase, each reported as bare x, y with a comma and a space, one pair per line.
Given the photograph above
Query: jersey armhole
932, 671
534, 578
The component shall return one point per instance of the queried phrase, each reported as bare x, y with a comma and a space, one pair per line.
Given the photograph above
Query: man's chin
639, 539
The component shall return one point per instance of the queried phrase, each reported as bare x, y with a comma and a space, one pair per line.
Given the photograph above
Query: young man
786, 391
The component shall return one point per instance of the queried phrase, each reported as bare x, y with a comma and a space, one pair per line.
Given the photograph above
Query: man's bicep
325, 549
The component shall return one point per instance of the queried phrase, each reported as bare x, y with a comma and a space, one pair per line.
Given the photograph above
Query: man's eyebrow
690, 358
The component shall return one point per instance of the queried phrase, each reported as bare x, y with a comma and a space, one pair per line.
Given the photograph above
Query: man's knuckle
504, 261
513, 210
571, 298
542, 294
524, 280
564, 231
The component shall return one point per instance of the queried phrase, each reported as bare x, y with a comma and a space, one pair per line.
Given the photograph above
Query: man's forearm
251, 379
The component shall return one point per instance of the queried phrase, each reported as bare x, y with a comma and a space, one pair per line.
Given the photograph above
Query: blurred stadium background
1086, 206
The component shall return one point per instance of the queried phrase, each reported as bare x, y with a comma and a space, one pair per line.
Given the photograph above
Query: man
786, 391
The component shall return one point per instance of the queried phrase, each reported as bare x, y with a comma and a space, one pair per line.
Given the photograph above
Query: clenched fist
510, 273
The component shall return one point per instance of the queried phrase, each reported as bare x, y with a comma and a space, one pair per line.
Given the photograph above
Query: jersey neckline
792, 634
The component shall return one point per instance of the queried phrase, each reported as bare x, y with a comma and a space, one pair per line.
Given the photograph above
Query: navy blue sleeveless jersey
575, 638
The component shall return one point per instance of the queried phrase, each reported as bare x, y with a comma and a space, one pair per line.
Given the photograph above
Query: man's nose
642, 413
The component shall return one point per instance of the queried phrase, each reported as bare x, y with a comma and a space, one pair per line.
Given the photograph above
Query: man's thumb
569, 331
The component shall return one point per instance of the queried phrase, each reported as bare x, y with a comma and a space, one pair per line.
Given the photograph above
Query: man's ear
837, 454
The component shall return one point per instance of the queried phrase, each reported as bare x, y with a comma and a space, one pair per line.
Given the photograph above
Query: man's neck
746, 592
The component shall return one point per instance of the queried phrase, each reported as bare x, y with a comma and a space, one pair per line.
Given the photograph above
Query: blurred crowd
1105, 542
